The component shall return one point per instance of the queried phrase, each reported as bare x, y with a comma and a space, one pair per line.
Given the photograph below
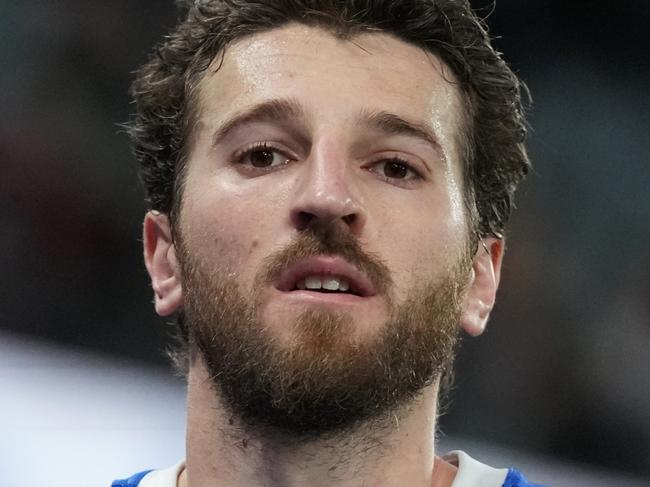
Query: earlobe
162, 265
482, 288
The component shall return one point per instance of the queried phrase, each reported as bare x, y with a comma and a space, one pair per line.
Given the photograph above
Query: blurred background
562, 376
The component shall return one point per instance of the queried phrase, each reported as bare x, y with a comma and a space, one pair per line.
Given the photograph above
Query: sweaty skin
328, 160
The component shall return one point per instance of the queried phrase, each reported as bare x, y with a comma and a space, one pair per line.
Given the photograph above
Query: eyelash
417, 174
239, 156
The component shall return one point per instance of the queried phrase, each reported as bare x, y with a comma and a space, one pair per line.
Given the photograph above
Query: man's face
322, 218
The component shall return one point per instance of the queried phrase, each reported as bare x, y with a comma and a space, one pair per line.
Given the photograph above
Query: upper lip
326, 266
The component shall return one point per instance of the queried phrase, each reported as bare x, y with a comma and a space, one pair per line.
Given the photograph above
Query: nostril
304, 219
350, 219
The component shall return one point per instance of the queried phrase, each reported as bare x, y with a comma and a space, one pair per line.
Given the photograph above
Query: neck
395, 451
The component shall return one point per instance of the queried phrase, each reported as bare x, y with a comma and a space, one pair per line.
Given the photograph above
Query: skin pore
298, 126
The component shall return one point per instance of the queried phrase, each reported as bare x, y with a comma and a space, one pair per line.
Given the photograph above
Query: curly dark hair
494, 153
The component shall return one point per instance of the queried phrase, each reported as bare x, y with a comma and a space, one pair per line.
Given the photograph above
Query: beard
323, 381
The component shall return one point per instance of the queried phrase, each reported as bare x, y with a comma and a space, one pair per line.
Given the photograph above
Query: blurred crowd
564, 368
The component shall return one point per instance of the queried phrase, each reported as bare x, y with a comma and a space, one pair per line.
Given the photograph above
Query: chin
300, 323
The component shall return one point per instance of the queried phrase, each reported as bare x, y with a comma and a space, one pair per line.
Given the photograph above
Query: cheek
221, 232
419, 246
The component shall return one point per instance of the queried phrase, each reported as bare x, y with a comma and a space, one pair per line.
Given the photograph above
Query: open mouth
325, 274
325, 284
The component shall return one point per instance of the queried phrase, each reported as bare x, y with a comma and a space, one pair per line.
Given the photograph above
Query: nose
324, 195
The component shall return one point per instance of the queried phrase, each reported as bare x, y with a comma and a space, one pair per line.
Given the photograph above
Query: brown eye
395, 170
262, 158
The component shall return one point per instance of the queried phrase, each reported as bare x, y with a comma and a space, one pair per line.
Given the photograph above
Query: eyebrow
280, 110
276, 110
391, 123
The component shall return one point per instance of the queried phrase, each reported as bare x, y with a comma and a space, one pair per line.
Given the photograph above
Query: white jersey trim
472, 473
163, 478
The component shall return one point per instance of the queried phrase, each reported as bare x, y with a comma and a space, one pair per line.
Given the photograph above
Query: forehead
333, 79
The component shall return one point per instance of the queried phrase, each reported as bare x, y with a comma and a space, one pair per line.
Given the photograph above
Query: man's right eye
261, 156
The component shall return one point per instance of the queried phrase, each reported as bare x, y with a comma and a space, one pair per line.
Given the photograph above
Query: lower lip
314, 297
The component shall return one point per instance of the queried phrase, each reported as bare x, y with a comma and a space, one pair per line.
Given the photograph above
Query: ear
482, 288
161, 263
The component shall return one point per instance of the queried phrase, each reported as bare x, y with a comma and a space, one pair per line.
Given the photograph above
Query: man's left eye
395, 169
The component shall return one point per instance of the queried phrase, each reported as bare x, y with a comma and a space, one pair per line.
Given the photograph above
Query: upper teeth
330, 283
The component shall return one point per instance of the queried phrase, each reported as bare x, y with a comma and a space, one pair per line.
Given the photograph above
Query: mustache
330, 239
